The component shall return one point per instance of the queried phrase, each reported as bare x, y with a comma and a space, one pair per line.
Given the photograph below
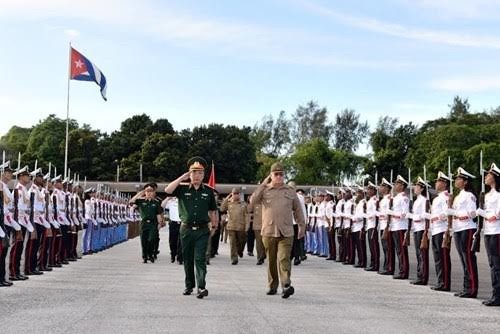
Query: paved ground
114, 292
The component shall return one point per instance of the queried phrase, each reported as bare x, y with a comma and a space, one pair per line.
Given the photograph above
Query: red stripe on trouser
469, 262
13, 259
445, 270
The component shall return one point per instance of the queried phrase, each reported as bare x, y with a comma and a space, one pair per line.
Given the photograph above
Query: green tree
310, 122
349, 131
15, 140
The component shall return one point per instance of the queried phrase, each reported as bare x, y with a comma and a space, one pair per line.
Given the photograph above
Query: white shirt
338, 213
24, 199
359, 214
383, 208
330, 206
371, 211
8, 198
439, 223
400, 208
322, 214
465, 207
492, 212
39, 204
173, 209
418, 214
347, 214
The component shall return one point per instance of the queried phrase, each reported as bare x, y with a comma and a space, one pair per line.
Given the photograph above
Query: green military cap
277, 167
197, 163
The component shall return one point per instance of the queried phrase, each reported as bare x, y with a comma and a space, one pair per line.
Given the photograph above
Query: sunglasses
278, 173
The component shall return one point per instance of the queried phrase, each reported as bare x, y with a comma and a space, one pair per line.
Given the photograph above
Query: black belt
196, 226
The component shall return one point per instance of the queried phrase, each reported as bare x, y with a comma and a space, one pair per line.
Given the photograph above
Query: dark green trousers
194, 247
148, 237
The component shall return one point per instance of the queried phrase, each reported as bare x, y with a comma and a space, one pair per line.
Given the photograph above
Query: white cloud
459, 9
71, 33
397, 30
468, 84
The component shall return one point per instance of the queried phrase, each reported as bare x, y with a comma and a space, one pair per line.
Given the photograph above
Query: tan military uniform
257, 227
279, 206
237, 225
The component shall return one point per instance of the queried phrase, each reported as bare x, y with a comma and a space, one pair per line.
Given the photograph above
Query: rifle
19, 234
424, 244
447, 234
476, 242
407, 238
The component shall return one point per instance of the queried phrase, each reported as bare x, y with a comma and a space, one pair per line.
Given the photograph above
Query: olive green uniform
149, 210
194, 206
237, 225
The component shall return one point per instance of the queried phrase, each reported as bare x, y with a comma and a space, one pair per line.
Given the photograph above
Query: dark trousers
360, 246
194, 247
341, 242
65, 243
372, 236
40, 229
492, 244
55, 247
331, 244
156, 242
442, 261
148, 240
29, 250
402, 252
422, 258
463, 242
4, 249
250, 240
348, 246
296, 244
174, 240
16, 253
388, 249
215, 241
45, 243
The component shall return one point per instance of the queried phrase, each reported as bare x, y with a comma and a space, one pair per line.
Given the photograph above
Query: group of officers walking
339, 228
40, 220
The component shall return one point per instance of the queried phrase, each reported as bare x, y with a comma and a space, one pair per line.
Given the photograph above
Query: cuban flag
82, 69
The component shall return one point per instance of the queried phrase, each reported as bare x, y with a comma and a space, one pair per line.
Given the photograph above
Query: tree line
315, 149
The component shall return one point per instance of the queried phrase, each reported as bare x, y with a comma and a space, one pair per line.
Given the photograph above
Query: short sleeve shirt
149, 209
194, 205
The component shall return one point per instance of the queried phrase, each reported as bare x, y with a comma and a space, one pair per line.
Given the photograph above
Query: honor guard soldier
311, 243
439, 226
48, 235
23, 218
347, 215
237, 223
322, 227
41, 224
198, 210
279, 202
463, 212
491, 215
385, 189
371, 227
89, 234
59, 202
357, 229
330, 219
11, 228
418, 216
399, 226
338, 224
151, 215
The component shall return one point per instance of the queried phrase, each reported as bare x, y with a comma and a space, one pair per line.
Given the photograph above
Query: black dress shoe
64, 262
22, 277
386, 273
370, 269
172, 260
330, 259
303, 258
46, 269
234, 262
261, 261
440, 288
57, 265
399, 277
359, 266
418, 283
468, 295
36, 272
208, 262
152, 259
202, 293
250, 254
296, 262
144, 260
271, 292
492, 302
287, 292
13, 278
459, 294
187, 292
6, 283
180, 262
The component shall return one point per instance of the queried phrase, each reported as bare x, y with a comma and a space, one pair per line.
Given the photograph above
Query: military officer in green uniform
198, 213
151, 213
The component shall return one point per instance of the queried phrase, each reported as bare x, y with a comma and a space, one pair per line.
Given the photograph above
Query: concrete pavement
114, 292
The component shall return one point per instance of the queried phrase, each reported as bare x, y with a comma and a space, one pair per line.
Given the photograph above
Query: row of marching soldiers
340, 227
40, 220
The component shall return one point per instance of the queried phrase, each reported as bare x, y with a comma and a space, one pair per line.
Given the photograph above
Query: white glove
443, 216
451, 212
427, 216
472, 214
404, 215
408, 215
481, 212
391, 213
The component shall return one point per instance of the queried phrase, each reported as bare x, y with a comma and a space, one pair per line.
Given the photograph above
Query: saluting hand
185, 176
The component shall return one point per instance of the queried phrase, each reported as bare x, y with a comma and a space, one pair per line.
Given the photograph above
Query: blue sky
233, 62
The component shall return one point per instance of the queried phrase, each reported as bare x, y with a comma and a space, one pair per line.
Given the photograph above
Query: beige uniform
237, 225
257, 227
278, 204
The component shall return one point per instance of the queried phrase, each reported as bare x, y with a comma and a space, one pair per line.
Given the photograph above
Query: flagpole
67, 118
